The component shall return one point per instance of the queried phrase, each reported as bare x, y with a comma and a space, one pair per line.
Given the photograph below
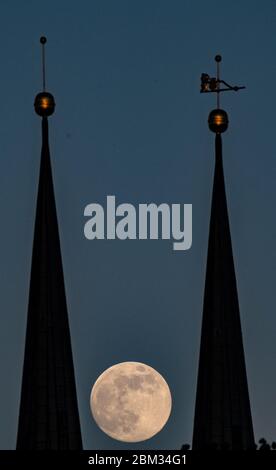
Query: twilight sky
130, 122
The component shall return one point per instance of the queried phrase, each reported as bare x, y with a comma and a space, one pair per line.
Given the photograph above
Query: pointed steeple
222, 412
48, 417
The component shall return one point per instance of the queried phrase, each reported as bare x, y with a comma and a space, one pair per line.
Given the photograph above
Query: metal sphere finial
43, 40
218, 58
218, 121
44, 104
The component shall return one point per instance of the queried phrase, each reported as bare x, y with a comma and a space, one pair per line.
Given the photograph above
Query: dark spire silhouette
48, 417
222, 412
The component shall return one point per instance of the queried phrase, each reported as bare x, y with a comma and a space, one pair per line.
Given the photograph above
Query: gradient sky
130, 121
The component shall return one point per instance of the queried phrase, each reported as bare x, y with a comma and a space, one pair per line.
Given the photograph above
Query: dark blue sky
130, 121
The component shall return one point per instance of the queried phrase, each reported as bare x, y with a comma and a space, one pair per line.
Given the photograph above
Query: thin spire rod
43, 41
218, 60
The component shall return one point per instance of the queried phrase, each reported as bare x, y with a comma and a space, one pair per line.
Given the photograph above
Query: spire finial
43, 41
44, 102
218, 60
218, 119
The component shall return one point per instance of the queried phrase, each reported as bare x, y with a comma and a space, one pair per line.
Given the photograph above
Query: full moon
131, 402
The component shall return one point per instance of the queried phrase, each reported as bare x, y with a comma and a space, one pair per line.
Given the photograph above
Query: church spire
222, 412
48, 417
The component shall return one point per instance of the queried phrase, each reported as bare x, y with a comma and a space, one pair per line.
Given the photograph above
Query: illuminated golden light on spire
44, 104
218, 121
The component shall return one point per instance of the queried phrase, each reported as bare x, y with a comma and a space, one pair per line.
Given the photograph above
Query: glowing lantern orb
44, 104
218, 121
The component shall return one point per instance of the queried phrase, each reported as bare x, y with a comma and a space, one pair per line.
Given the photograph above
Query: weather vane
218, 119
